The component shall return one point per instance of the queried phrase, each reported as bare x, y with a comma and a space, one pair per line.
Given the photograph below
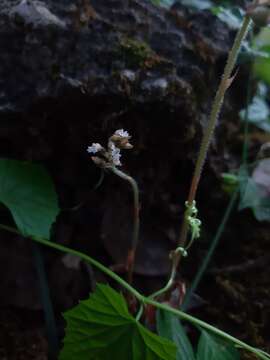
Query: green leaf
101, 328
262, 65
262, 69
28, 192
170, 327
213, 348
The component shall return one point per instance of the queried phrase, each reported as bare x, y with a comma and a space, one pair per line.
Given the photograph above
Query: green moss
137, 53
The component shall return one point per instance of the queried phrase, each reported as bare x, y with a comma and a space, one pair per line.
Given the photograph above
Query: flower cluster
110, 156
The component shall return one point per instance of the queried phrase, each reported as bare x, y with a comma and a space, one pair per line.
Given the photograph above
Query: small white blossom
116, 155
122, 133
94, 148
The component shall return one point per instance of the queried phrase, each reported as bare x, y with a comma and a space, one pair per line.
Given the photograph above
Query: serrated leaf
170, 327
213, 348
101, 328
28, 192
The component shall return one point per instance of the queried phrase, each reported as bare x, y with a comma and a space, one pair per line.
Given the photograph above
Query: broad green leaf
213, 348
28, 192
262, 65
101, 328
170, 327
262, 69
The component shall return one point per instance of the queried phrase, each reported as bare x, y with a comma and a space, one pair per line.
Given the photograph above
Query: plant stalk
210, 251
136, 221
208, 134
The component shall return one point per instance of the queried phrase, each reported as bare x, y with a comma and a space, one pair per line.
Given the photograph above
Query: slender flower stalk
136, 221
109, 159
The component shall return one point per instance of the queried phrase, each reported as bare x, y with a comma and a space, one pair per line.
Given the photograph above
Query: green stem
84, 257
214, 115
136, 220
141, 298
166, 287
210, 251
50, 322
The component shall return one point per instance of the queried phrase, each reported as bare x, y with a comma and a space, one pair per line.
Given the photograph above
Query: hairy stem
136, 221
208, 134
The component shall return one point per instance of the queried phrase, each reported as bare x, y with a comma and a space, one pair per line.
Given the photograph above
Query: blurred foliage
262, 64
258, 112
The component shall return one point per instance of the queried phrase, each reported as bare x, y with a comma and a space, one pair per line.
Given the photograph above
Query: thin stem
166, 287
141, 298
230, 206
136, 221
49, 316
84, 257
140, 312
211, 250
246, 122
207, 137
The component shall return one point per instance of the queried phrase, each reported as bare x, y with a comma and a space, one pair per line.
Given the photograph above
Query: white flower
116, 155
122, 133
94, 148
